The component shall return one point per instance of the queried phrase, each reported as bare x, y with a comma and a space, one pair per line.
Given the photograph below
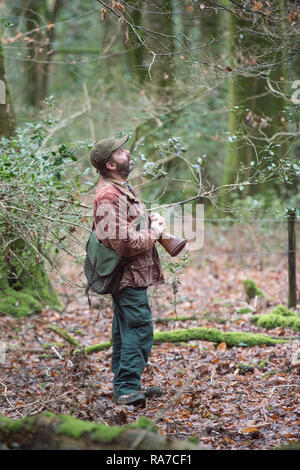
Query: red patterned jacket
123, 225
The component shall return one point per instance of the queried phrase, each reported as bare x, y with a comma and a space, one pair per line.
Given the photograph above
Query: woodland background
209, 94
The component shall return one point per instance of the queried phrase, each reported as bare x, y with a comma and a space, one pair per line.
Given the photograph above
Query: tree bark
159, 23
7, 116
40, 50
25, 287
292, 296
136, 49
263, 110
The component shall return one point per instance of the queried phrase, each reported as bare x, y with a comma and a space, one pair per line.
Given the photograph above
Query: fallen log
47, 431
231, 338
64, 334
178, 318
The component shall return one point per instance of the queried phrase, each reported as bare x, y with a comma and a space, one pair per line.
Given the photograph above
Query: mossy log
7, 114
178, 318
64, 334
232, 338
47, 431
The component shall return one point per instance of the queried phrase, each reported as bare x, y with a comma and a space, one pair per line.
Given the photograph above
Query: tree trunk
210, 29
136, 49
25, 287
159, 24
24, 284
47, 431
39, 50
7, 116
263, 109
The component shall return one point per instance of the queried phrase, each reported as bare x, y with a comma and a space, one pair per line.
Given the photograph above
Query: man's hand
158, 223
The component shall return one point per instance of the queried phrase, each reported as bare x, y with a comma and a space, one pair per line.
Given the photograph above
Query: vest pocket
142, 275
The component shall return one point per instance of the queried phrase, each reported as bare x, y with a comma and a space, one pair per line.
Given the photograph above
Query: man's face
121, 161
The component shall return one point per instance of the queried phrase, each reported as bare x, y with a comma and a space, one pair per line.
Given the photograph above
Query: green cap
102, 150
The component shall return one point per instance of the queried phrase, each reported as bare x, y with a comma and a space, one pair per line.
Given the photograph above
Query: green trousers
132, 338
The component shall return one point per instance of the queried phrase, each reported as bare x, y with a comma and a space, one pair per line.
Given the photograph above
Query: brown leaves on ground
237, 398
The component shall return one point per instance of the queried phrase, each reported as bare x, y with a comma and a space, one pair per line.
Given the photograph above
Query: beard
124, 168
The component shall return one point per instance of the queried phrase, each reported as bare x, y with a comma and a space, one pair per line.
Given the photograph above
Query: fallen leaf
249, 430
222, 346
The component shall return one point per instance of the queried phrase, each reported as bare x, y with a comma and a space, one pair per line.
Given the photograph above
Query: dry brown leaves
226, 406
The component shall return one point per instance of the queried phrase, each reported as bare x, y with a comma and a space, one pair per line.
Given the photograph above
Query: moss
14, 425
25, 289
234, 338
244, 310
280, 316
252, 289
96, 347
76, 331
283, 311
178, 318
75, 427
243, 368
268, 374
270, 321
193, 440
206, 334
263, 363
142, 423
250, 339
210, 317
190, 334
64, 334
55, 344
220, 320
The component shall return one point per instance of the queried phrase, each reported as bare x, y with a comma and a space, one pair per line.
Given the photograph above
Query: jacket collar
120, 186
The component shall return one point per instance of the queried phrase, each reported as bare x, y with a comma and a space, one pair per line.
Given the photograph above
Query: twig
29, 350
140, 438
7, 399
65, 122
282, 386
89, 109
57, 353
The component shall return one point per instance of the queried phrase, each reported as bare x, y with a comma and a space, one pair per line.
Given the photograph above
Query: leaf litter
239, 398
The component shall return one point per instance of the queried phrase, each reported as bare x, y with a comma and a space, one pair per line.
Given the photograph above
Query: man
123, 225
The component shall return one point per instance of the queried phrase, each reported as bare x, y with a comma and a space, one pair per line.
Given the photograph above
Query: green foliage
5, 23
251, 289
267, 165
39, 207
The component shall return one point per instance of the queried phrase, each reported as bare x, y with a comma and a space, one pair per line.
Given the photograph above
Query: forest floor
221, 405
